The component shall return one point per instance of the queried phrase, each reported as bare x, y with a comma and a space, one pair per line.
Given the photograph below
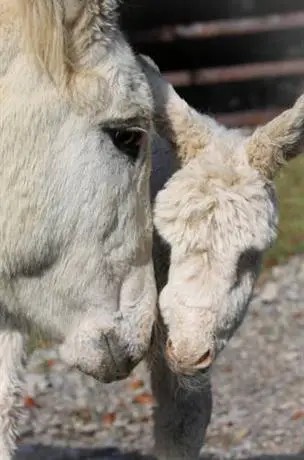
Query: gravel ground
258, 386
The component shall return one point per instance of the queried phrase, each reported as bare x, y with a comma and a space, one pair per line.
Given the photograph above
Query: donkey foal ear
278, 141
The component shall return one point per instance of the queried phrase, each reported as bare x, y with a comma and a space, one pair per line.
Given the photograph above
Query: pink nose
202, 363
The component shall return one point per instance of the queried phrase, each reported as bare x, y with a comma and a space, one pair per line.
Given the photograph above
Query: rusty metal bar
250, 118
219, 28
235, 73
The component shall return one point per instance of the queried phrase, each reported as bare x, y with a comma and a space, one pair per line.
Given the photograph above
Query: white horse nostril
170, 351
169, 347
205, 360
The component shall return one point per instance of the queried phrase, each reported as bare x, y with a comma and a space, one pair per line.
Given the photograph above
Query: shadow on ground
38, 452
54, 453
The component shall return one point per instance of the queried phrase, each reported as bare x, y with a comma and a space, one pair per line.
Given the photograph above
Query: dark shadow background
52, 453
218, 50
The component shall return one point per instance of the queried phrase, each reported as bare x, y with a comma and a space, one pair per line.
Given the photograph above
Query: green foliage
290, 186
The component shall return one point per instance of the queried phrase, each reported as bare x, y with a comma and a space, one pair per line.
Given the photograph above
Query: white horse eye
129, 141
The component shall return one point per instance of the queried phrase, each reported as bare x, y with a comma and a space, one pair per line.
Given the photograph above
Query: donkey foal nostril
205, 360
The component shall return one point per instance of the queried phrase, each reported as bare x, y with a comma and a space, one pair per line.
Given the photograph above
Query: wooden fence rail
241, 60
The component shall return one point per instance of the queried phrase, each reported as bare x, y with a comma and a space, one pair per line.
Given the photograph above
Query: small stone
269, 292
300, 274
278, 271
88, 429
292, 293
25, 431
56, 381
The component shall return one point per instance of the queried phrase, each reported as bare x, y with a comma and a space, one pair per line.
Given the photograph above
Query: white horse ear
52, 30
104, 8
72, 9
278, 141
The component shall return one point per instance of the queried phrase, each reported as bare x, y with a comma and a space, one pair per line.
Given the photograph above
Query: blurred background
239, 60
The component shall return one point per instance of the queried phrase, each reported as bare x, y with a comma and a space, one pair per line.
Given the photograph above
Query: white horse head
75, 220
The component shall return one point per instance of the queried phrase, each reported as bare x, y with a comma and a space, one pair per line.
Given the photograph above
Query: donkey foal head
218, 214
